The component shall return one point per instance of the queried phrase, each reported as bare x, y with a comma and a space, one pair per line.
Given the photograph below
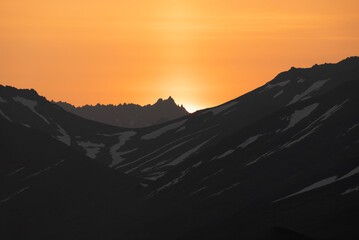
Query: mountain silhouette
129, 115
280, 162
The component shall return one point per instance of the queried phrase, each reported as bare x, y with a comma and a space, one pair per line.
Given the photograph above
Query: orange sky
201, 52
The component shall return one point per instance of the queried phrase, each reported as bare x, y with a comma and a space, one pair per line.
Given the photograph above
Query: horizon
179, 119
202, 53
125, 103
189, 108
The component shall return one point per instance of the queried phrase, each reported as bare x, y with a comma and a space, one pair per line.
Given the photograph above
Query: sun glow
192, 108
201, 52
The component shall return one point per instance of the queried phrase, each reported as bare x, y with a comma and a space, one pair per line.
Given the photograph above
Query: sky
201, 52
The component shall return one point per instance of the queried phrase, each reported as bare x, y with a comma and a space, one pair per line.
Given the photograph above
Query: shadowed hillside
280, 162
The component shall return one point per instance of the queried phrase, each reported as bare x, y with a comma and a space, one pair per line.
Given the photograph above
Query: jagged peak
159, 100
168, 100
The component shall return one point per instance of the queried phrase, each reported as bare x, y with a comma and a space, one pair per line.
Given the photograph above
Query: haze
202, 53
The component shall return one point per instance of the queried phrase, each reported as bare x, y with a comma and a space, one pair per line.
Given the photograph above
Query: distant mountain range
129, 115
280, 162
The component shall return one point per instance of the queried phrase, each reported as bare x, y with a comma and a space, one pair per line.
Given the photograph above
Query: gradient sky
201, 52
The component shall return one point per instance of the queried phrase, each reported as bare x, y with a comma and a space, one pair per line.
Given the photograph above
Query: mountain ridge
129, 114
280, 161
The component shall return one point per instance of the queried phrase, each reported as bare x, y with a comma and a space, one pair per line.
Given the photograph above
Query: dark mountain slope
27, 108
279, 161
49, 191
300, 175
181, 138
149, 153
129, 115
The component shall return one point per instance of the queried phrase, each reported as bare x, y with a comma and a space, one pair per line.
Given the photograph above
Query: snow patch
311, 128
323, 183
323, 117
305, 98
45, 169
15, 171
176, 180
173, 182
221, 108
162, 130
151, 153
14, 194
350, 190
280, 84
228, 112
195, 192
2, 114
316, 185
258, 158
120, 159
181, 128
352, 127
222, 191
349, 174
163, 147
300, 80
156, 157
299, 115
31, 104
92, 149
226, 154
314, 87
123, 138
197, 164
279, 93
249, 141
288, 144
332, 110
212, 175
65, 138
155, 176
187, 154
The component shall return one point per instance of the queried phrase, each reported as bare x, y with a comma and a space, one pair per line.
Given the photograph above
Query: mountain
51, 191
280, 162
129, 115
297, 169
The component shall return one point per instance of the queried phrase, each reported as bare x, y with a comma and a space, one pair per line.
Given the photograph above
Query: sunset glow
200, 52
